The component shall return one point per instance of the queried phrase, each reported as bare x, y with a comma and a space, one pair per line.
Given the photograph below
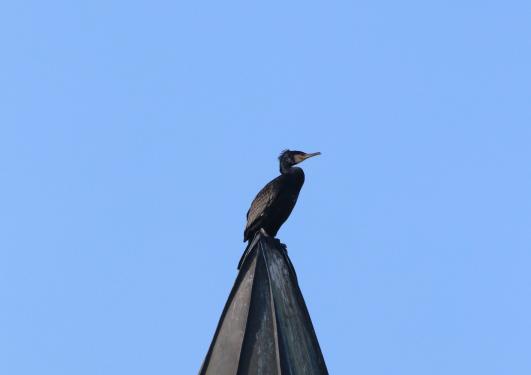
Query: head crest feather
282, 153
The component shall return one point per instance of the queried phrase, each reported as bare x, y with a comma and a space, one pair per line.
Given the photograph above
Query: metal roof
265, 327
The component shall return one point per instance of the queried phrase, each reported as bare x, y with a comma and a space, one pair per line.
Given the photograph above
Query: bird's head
289, 158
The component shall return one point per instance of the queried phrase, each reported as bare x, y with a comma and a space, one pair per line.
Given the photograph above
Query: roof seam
273, 310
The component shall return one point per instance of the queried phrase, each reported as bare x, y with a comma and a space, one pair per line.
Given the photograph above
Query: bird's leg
283, 246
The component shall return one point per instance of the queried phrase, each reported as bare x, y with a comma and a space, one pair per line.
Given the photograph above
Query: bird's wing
264, 199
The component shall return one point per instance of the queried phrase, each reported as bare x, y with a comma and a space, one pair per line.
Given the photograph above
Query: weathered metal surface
265, 327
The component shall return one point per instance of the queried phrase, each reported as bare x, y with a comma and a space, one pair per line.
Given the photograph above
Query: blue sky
134, 135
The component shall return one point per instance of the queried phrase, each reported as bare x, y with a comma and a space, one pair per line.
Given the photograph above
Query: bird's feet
277, 241
283, 246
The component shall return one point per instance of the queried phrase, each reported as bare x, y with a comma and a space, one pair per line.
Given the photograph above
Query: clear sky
134, 135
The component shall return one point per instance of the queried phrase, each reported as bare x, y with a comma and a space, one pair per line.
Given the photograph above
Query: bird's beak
307, 156
299, 158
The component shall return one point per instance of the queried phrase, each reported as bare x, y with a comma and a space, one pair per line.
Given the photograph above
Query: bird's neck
285, 168
289, 169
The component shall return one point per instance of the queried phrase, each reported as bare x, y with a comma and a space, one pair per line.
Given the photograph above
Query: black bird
274, 203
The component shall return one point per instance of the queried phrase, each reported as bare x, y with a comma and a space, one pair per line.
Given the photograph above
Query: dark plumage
274, 203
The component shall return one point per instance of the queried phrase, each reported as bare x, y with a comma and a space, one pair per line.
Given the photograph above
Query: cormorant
274, 203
